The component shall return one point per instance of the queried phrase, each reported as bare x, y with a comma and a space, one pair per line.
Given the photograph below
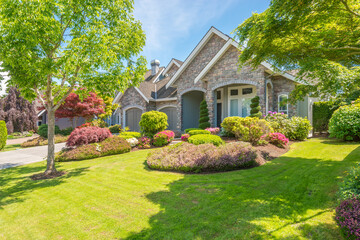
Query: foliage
189, 129
144, 142
3, 134
196, 132
133, 142
298, 128
214, 131
110, 146
229, 123
255, 107
205, 138
278, 121
350, 187
17, 135
109, 107
185, 137
327, 59
186, 157
345, 123
66, 131
152, 122
204, 115
43, 130
83, 136
348, 216
127, 135
115, 128
322, 112
277, 139
18, 113
40, 141
163, 138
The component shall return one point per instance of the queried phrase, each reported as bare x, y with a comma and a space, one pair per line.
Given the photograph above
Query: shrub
66, 131
203, 158
345, 123
115, 128
228, 125
87, 124
110, 146
127, 135
43, 130
40, 141
83, 136
185, 137
133, 142
298, 128
350, 187
197, 132
144, 142
163, 138
214, 131
277, 139
348, 218
278, 121
255, 107
3, 134
322, 112
204, 115
189, 129
153, 122
206, 138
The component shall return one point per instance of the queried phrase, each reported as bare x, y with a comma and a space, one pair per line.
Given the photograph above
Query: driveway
25, 156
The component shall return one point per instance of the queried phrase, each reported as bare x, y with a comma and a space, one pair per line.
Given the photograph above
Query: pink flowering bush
86, 135
163, 138
144, 142
185, 137
277, 139
214, 131
348, 218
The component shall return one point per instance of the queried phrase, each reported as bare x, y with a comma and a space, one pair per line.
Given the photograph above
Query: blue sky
174, 27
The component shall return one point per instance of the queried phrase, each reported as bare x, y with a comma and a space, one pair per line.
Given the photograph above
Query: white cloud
165, 21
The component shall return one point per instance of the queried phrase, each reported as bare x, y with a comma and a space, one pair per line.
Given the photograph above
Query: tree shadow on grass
16, 182
260, 203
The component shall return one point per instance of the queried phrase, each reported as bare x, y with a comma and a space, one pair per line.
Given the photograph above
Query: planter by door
133, 117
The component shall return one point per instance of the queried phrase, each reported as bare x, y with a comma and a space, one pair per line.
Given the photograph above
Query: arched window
283, 103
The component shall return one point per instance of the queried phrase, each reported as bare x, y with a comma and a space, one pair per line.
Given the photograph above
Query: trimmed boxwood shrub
3, 134
322, 112
187, 157
127, 135
206, 138
83, 136
115, 128
190, 129
197, 132
348, 218
204, 115
43, 130
345, 123
153, 122
110, 146
163, 138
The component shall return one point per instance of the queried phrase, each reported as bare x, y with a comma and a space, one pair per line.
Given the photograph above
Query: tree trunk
50, 168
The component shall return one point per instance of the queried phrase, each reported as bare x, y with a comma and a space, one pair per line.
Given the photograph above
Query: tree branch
40, 97
344, 2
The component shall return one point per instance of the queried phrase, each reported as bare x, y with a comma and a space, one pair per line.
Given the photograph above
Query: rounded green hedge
127, 135
345, 123
153, 122
206, 138
3, 134
190, 129
197, 132
43, 130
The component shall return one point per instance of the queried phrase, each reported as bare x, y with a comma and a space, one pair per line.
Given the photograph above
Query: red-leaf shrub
163, 138
83, 136
187, 157
348, 218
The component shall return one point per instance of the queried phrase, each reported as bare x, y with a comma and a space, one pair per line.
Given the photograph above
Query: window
283, 103
247, 91
234, 92
218, 95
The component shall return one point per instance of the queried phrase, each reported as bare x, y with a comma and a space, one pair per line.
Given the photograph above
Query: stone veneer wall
283, 86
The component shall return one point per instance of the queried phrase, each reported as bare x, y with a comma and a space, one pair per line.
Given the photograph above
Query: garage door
171, 114
133, 117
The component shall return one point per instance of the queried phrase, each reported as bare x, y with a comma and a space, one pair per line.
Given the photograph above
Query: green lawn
11, 147
293, 197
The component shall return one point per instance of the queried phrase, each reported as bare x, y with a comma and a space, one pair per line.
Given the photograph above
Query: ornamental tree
50, 47
317, 38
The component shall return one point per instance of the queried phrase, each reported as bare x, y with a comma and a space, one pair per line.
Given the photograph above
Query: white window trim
287, 104
240, 96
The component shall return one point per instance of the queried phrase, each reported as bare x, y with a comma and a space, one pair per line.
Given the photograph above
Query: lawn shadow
16, 182
257, 203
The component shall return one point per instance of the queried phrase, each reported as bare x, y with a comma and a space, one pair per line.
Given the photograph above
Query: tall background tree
318, 38
18, 113
49, 47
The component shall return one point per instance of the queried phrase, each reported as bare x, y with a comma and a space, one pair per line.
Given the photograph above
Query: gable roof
175, 62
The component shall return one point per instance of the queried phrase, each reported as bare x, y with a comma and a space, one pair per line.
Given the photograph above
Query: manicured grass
11, 147
293, 197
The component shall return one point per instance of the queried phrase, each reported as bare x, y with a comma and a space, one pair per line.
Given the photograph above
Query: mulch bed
42, 176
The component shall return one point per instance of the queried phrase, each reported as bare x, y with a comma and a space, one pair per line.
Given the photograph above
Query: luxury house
210, 72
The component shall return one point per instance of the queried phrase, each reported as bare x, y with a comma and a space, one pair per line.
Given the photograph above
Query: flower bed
163, 138
40, 141
187, 157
